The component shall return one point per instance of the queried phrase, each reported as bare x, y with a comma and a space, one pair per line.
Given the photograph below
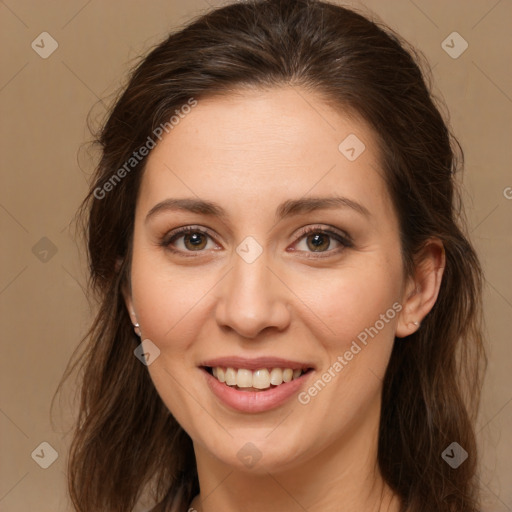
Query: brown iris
195, 239
317, 242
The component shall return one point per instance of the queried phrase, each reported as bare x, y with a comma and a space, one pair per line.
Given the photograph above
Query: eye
318, 240
194, 240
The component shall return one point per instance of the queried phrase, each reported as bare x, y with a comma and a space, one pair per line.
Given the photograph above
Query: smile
255, 385
261, 379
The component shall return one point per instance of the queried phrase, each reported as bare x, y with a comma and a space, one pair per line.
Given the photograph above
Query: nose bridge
252, 298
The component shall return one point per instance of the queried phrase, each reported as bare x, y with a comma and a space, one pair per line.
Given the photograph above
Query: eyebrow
288, 208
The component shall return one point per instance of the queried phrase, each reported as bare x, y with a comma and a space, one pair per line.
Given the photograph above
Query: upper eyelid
330, 231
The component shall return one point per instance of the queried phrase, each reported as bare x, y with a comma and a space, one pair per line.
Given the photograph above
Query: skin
249, 152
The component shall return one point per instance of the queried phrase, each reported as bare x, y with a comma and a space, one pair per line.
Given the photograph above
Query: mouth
255, 385
259, 380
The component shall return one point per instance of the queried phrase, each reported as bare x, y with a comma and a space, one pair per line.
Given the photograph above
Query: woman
290, 312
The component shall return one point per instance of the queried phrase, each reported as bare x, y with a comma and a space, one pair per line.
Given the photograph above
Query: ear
127, 294
421, 289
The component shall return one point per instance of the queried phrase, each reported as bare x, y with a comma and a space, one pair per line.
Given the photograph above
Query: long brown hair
126, 440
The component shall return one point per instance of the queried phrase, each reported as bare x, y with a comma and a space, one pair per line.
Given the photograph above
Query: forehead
257, 147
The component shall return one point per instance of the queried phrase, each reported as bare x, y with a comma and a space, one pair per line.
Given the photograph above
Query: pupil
317, 240
195, 239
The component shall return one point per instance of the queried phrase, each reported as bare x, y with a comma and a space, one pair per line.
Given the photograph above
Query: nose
253, 298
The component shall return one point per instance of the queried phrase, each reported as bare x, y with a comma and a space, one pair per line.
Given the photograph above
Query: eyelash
345, 240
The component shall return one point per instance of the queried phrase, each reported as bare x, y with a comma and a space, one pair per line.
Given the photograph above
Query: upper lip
255, 363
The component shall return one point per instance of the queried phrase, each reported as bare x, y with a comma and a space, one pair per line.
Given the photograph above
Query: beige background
44, 104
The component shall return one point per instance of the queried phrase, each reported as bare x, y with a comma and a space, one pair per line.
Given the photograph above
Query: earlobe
136, 328
422, 288
129, 306
133, 316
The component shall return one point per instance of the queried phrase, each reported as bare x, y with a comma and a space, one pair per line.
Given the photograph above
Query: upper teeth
259, 379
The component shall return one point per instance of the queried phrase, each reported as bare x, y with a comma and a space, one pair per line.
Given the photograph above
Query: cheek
169, 309
167, 301
358, 310
351, 300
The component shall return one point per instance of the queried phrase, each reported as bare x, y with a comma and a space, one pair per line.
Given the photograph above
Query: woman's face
248, 289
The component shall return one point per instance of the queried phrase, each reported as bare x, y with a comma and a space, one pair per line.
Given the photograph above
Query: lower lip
255, 401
